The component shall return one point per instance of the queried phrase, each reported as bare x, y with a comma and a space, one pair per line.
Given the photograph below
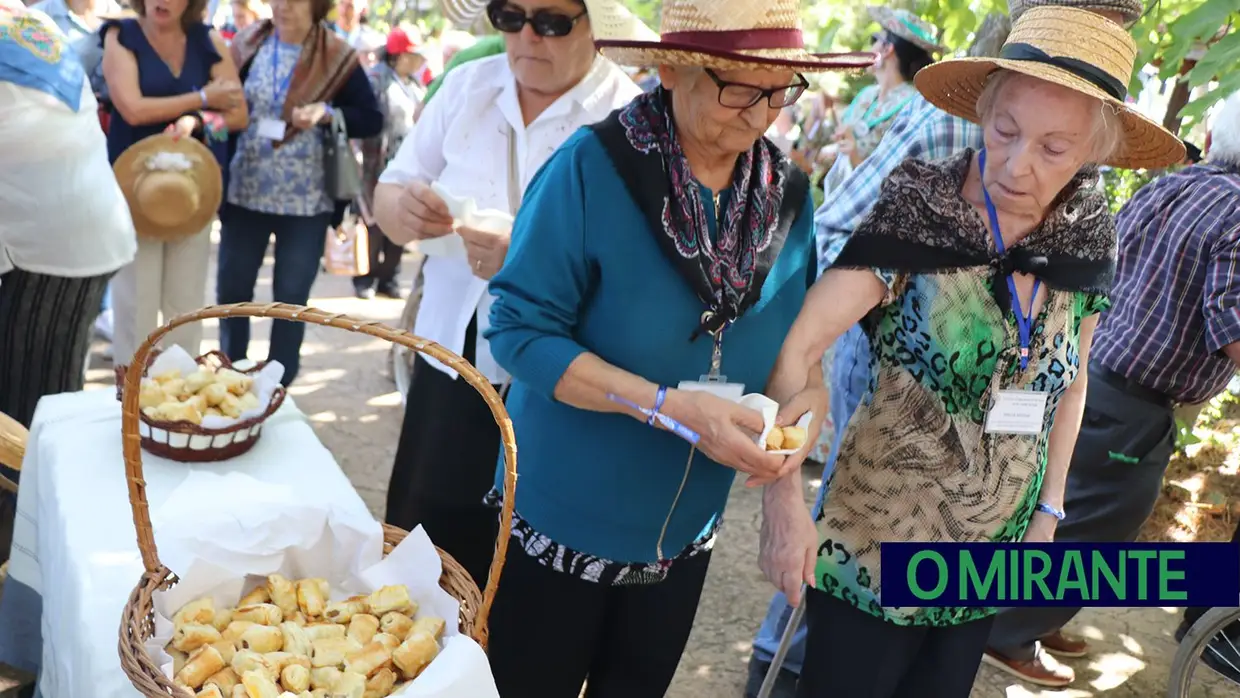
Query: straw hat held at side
1073, 48
173, 186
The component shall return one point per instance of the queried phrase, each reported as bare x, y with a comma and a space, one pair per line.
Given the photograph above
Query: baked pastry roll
259, 685
311, 596
389, 641
298, 618
369, 659
343, 611
363, 628
324, 678
262, 639
227, 650
331, 651
296, 678
397, 624
428, 624
380, 684
175, 389
774, 439
230, 406
390, 598
214, 394
168, 375
794, 437
262, 614
324, 631
283, 594
245, 661
225, 679
248, 401
199, 379
349, 685
236, 382
415, 653
280, 660
178, 412
222, 618
201, 665
239, 692
211, 691
236, 629
198, 612
191, 636
151, 412
295, 639
256, 596
151, 395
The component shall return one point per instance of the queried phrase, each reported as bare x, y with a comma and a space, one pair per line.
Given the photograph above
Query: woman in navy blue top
297, 72
166, 70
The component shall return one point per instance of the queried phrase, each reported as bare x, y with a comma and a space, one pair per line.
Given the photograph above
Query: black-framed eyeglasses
738, 95
545, 23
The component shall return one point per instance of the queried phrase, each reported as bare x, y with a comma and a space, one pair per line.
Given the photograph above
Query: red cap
398, 42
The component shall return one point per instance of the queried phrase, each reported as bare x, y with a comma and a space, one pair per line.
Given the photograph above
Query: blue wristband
1048, 509
659, 397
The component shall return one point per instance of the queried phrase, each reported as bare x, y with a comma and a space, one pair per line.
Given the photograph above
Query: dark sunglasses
545, 23
738, 95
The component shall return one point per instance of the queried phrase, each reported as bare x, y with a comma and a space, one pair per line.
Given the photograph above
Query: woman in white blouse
490, 129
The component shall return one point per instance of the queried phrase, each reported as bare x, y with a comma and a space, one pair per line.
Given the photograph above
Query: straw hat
907, 26
173, 187
1080, 50
1130, 10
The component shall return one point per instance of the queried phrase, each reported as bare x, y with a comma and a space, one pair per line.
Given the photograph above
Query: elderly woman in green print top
978, 280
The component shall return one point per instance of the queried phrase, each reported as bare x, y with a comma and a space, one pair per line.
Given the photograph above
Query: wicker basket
187, 442
138, 617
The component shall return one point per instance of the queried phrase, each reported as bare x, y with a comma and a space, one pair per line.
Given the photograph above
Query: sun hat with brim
907, 26
1129, 10
1074, 48
731, 35
173, 187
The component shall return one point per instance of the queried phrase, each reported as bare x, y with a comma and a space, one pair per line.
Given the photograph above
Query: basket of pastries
294, 635
201, 410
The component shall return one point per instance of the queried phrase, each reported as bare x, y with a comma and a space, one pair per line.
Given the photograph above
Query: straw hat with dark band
173, 187
907, 26
1074, 48
731, 35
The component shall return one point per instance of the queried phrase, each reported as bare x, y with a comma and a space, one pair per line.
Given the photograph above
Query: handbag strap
514, 174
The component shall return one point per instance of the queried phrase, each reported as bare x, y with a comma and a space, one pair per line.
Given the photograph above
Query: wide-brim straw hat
173, 187
1129, 10
1074, 48
907, 26
731, 35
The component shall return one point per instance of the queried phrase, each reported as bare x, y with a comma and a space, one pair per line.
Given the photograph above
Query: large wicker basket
137, 619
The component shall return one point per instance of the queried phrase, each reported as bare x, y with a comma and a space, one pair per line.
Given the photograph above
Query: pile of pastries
173, 397
789, 438
284, 640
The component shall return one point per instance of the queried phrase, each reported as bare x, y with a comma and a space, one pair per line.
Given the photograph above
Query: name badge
271, 129
718, 386
1017, 412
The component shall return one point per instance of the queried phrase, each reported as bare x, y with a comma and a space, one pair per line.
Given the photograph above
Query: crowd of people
682, 228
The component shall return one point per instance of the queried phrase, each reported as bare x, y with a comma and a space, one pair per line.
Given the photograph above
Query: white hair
1105, 133
1225, 133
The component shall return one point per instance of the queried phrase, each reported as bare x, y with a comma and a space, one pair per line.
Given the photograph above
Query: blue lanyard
1024, 321
279, 87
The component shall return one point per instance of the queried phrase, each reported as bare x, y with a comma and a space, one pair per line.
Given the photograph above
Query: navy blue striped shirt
1176, 301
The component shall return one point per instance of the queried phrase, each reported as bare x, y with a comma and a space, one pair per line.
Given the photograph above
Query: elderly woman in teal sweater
657, 262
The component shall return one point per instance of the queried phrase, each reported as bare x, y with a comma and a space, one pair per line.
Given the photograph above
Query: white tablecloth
74, 541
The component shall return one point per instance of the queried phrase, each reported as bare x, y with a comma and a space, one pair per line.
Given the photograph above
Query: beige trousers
166, 279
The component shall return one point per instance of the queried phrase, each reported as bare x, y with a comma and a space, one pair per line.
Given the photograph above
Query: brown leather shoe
1062, 644
1042, 670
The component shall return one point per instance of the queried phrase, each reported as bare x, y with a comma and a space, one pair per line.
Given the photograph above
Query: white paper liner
265, 383
770, 409
272, 529
465, 213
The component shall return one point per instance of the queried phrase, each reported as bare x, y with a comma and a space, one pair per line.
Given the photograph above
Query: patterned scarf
325, 64
768, 191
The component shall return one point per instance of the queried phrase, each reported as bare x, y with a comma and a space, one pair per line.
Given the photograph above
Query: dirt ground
346, 390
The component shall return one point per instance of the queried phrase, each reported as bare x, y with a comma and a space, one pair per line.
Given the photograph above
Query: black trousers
852, 654
445, 465
552, 631
1113, 484
384, 259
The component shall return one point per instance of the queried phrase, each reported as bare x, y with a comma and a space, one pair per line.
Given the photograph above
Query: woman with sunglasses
657, 262
493, 124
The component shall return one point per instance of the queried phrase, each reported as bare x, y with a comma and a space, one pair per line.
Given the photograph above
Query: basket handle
131, 438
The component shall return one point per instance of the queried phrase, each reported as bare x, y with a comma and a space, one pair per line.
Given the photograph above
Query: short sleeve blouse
155, 79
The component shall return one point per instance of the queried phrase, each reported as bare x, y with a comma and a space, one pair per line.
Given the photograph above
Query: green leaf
1204, 21
1197, 108
1221, 58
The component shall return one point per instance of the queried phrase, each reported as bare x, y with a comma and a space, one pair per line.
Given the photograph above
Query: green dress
915, 462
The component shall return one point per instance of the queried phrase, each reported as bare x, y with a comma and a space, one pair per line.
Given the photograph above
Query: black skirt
445, 465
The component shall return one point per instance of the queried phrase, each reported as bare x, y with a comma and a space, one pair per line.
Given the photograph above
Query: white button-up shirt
461, 141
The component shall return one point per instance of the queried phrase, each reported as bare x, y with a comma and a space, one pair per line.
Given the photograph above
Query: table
75, 555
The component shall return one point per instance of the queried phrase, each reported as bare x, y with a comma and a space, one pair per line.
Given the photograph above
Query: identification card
1017, 412
719, 387
271, 129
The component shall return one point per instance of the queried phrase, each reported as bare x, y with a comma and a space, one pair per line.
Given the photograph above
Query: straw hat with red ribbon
1074, 48
730, 35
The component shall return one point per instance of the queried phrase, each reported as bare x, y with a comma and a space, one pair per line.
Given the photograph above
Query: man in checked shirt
925, 132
